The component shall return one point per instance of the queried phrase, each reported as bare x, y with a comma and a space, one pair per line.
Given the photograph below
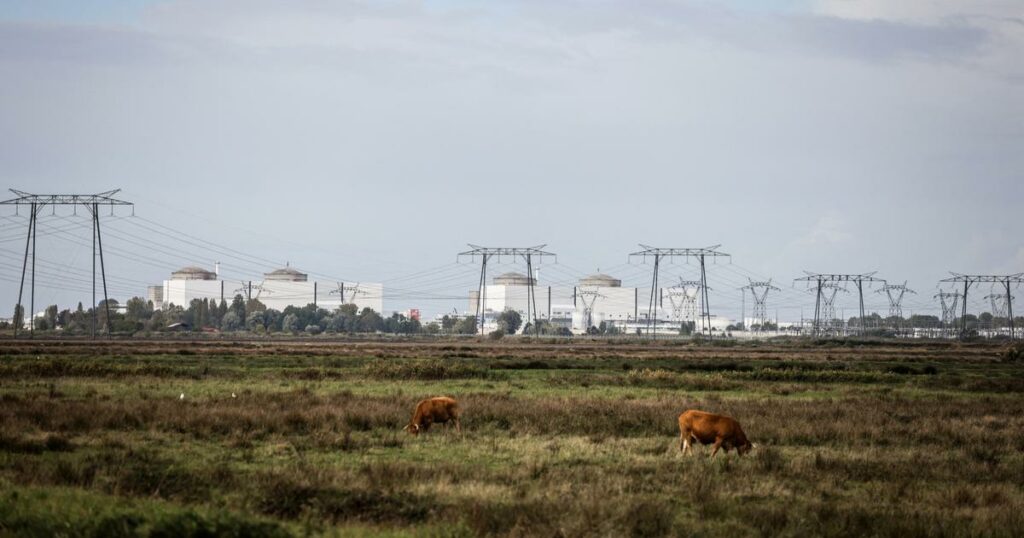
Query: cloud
1001, 21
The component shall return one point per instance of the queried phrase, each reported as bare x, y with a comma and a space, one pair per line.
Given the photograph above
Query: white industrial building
278, 289
596, 299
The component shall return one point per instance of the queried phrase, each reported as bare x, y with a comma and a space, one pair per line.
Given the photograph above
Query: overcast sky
371, 140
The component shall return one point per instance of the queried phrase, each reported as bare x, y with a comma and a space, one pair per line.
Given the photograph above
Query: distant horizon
790, 300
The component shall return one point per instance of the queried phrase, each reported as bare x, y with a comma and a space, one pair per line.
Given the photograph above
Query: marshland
558, 438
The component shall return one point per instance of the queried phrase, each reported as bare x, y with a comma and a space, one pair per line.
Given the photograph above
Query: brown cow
707, 428
441, 410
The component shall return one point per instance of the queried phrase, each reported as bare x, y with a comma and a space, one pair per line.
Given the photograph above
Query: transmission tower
969, 280
526, 253
588, 298
759, 290
658, 253
821, 279
683, 298
677, 297
948, 300
999, 305
828, 306
247, 288
35, 203
895, 293
347, 295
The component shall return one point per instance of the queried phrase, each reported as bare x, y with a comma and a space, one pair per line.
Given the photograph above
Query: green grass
897, 442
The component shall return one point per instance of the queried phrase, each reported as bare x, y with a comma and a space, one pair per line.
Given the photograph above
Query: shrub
426, 369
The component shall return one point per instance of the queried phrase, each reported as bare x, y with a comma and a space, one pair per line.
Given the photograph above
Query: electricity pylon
684, 301
588, 298
658, 253
760, 314
828, 305
92, 203
948, 300
821, 279
969, 280
347, 295
999, 306
526, 253
895, 292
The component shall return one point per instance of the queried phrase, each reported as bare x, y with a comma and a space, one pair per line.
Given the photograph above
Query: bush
290, 496
425, 369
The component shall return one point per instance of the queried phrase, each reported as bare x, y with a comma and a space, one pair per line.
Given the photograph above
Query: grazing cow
708, 428
439, 410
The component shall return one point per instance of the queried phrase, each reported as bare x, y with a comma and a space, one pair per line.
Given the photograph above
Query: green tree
196, 313
51, 316
466, 325
237, 306
79, 316
370, 321
221, 310
64, 319
101, 309
254, 305
448, 324
272, 320
231, 322
138, 309
509, 321
255, 321
290, 323
157, 321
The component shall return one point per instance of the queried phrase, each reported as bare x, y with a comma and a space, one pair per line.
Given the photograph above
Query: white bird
182, 397
233, 395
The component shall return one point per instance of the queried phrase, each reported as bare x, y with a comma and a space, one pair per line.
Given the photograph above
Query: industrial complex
277, 289
596, 300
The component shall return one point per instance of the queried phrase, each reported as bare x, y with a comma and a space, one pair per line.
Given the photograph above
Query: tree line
240, 315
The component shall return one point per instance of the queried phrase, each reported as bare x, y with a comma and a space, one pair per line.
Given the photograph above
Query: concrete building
278, 289
189, 283
596, 299
600, 298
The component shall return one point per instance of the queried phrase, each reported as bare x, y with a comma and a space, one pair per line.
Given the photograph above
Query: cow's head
412, 428
745, 447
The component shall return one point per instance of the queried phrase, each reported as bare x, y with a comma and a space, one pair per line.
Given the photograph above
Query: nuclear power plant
596, 300
277, 289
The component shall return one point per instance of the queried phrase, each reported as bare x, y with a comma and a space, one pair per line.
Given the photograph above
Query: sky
372, 140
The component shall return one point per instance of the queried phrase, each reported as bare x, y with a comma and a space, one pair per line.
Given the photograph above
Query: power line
92, 202
969, 280
659, 253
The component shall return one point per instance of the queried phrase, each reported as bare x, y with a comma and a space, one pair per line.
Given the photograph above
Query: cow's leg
458, 425
718, 444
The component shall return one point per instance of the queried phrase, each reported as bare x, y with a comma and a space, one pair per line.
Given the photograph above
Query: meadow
560, 438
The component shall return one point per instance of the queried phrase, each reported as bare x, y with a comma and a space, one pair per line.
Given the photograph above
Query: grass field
559, 439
